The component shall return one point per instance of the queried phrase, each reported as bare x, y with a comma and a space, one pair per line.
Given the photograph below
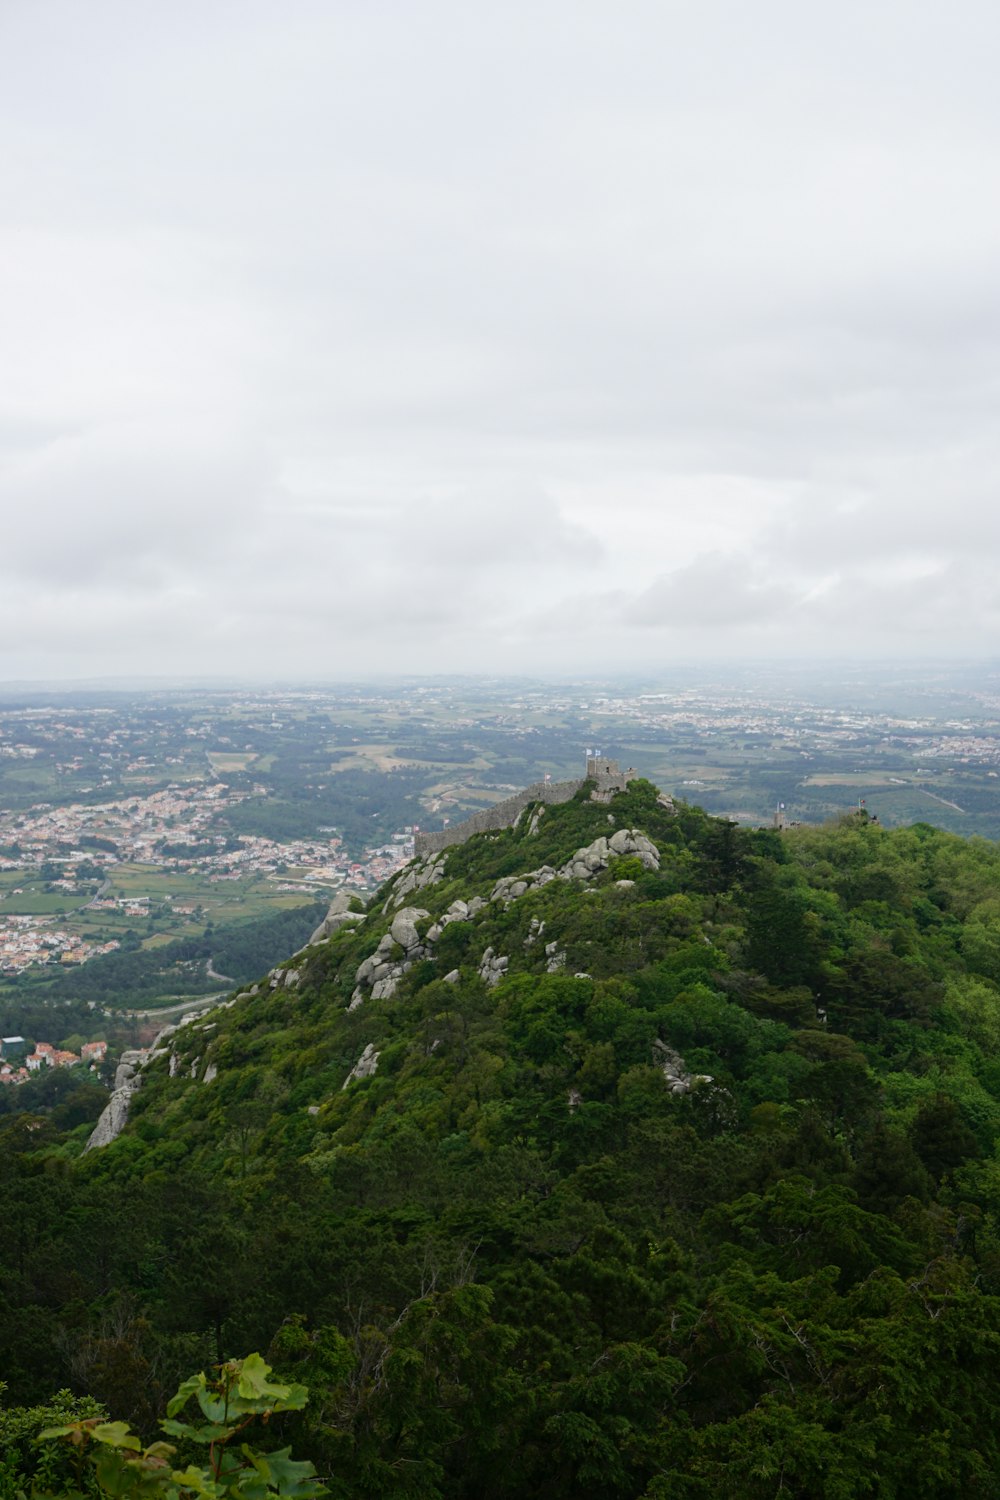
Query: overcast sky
360, 336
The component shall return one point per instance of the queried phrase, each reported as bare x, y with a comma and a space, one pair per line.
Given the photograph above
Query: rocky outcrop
365, 1067
598, 856
129, 1063
509, 887
492, 967
339, 915
403, 929
115, 1114
458, 911
555, 958
535, 930
416, 877
587, 862
400, 947
278, 977
679, 1081
379, 974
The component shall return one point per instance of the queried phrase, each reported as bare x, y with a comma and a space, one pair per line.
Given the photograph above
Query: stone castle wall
500, 815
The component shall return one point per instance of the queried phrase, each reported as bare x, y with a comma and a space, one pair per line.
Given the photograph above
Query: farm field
147, 819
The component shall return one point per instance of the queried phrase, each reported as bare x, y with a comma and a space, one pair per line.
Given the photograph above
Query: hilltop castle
607, 776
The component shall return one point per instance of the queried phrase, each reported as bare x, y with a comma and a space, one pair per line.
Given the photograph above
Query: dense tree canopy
519, 1259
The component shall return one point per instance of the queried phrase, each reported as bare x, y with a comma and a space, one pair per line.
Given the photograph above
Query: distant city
139, 819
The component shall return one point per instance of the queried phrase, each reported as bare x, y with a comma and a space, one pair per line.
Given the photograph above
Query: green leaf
177, 1429
213, 1407
296, 1399
283, 1475
208, 1432
112, 1472
197, 1480
159, 1450
253, 1384
116, 1435
191, 1386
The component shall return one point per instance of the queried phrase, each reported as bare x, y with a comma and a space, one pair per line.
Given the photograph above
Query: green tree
110, 1456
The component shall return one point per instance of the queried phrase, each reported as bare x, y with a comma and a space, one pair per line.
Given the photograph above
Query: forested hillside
620, 1154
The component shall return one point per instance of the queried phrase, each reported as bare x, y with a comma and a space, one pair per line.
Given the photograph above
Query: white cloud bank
357, 338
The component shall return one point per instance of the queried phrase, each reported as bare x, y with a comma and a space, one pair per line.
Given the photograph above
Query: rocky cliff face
496, 927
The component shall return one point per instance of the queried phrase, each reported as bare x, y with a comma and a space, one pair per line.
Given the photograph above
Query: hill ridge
655, 1155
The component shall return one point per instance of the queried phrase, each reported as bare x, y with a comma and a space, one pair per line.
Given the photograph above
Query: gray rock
404, 927
365, 1067
377, 965
535, 930
113, 1117
211, 1073
337, 916
128, 1064
493, 967
452, 976
678, 1079
419, 874
598, 855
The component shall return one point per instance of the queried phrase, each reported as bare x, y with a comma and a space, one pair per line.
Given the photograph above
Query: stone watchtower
607, 777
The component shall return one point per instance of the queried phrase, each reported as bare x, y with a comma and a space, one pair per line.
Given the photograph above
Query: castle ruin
607, 776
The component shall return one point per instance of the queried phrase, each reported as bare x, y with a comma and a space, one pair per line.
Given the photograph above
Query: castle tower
599, 767
607, 776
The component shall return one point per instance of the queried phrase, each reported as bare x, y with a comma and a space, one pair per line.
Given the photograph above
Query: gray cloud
713, 592
459, 336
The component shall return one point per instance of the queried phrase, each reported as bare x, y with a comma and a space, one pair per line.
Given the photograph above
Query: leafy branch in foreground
110, 1454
